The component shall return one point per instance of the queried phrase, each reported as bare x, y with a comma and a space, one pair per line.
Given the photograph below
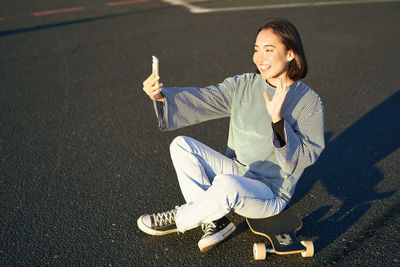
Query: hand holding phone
151, 85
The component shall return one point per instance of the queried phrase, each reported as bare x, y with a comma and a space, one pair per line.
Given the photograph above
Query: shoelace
164, 218
208, 228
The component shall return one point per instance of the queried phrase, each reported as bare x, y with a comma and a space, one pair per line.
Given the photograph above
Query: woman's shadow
347, 171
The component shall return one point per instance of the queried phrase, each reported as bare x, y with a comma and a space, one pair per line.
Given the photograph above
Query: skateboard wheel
309, 249
259, 251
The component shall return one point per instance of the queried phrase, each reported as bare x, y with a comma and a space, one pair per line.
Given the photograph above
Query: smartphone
155, 65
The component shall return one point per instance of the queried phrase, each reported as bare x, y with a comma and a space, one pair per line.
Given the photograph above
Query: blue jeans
212, 187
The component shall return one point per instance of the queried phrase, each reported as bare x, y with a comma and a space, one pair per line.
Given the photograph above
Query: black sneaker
214, 233
162, 223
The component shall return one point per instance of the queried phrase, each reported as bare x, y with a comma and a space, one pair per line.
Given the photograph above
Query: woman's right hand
153, 88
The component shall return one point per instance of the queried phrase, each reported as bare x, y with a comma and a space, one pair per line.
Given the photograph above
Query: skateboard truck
284, 239
260, 250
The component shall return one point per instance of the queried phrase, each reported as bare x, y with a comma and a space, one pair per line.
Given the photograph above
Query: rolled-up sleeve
185, 106
304, 142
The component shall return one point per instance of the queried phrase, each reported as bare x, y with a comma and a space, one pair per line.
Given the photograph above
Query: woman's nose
261, 57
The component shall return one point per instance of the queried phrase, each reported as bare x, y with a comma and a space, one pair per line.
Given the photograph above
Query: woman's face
271, 57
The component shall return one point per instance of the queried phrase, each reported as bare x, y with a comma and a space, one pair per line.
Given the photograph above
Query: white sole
223, 234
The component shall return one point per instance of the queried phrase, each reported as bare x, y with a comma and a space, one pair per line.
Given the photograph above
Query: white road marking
196, 9
184, 3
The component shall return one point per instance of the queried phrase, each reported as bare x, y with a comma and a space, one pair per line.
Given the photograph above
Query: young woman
276, 130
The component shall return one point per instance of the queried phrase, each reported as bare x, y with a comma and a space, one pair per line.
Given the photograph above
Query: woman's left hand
274, 106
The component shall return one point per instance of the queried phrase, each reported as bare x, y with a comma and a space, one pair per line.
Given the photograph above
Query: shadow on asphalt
346, 169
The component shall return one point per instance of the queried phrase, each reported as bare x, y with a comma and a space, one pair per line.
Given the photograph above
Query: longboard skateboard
280, 231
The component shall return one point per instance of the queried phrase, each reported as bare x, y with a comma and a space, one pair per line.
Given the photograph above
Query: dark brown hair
291, 39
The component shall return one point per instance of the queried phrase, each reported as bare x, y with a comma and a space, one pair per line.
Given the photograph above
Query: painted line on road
80, 8
50, 12
126, 2
196, 9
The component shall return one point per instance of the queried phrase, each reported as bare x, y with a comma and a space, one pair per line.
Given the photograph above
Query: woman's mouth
264, 67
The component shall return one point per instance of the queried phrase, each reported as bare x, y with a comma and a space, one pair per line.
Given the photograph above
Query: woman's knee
178, 144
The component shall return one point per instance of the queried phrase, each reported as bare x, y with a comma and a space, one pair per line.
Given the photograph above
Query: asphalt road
81, 156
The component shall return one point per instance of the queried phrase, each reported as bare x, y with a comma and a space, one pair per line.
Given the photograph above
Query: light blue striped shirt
252, 143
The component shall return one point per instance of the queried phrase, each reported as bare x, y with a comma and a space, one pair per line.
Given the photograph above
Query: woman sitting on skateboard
276, 130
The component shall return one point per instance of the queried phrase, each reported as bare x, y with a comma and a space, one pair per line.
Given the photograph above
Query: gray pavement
81, 157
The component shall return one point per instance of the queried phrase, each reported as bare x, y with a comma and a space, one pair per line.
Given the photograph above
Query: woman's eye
269, 50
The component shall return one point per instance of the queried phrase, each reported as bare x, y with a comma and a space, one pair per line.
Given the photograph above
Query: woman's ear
290, 55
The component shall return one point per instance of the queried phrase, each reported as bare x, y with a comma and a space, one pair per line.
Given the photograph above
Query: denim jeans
212, 187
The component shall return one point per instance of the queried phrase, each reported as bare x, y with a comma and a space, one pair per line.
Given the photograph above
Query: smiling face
271, 57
